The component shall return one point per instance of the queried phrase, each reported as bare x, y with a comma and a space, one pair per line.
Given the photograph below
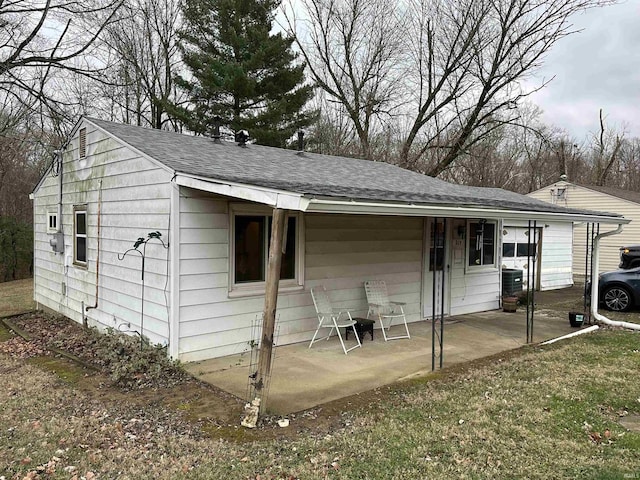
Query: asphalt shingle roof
312, 174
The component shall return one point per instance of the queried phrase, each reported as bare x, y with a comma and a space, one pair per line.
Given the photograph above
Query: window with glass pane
482, 244
488, 244
250, 255
252, 237
52, 222
436, 252
80, 236
288, 267
508, 250
524, 247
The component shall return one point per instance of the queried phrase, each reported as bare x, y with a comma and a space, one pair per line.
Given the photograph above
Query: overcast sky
596, 68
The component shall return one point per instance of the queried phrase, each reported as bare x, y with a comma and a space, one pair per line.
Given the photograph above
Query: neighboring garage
549, 247
603, 199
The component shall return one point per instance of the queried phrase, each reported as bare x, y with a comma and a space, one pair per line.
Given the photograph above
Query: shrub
129, 362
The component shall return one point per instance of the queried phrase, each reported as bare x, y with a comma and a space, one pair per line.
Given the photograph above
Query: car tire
617, 298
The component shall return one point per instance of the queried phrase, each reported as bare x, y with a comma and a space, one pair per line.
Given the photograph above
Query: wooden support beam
270, 302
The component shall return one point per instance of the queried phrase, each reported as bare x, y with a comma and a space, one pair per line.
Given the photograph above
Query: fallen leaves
598, 438
595, 437
20, 348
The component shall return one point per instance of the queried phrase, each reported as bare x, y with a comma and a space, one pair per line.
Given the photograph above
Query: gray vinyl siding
135, 201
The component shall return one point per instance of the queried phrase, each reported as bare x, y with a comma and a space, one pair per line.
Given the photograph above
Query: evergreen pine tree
240, 72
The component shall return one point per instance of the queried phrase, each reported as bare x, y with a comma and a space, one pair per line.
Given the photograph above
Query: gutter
95, 305
316, 205
595, 284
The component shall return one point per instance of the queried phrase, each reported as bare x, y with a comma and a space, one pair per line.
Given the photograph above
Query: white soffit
264, 196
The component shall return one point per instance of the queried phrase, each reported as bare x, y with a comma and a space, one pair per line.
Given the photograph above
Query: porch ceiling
303, 378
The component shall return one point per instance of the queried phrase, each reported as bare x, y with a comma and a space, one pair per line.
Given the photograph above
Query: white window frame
258, 288
80, 209
482, 268
52, 214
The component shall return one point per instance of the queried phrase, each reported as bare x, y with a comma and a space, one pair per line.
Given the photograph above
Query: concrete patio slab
303, 378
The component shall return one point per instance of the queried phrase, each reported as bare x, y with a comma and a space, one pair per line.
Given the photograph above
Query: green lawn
547, 412
16, 297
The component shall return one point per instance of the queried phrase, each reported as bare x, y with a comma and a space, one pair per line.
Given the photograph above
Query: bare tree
605, 152
352, 48
42, 40
144, 43
455, 69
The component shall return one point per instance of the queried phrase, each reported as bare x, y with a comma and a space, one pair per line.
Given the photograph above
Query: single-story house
590, 197
202, 208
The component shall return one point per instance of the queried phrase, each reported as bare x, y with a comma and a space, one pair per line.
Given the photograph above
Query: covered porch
303, 378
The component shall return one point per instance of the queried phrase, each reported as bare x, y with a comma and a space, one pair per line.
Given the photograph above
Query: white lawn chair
385, 310
328, 319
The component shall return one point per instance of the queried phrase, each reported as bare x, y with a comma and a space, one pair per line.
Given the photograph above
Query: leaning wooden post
270, 303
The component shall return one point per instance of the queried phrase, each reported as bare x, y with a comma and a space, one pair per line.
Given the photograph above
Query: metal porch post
531, 278
433, 298
443, 286
434, 301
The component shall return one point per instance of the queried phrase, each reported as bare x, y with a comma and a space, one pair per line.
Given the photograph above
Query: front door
436, 269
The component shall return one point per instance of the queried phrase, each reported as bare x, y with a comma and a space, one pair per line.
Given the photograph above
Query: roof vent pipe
241, 137
216, 129
301, 140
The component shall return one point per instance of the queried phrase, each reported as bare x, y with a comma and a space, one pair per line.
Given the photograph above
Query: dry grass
534, 415
16, 297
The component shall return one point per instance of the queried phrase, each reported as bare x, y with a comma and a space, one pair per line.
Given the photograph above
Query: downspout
595, 287
58, 153
95, 305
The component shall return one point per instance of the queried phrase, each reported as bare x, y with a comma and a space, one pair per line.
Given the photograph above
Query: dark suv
629, 257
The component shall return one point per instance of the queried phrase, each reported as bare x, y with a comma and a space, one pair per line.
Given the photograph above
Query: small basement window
52, 222
80, 235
